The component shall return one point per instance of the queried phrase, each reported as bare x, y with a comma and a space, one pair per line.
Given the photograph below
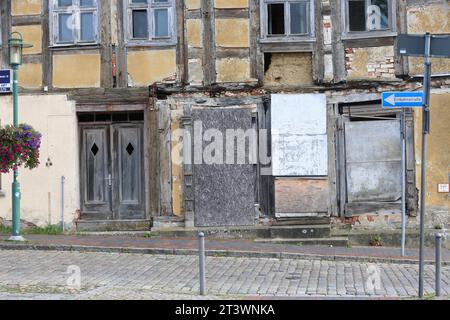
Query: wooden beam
5, 10
209, 54
106, 76
339, 72
182, 61
47, 54
26, 20
256, 56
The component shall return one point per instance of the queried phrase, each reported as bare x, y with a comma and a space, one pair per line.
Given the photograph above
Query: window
74, 22
287, 19
369, 16
151, 20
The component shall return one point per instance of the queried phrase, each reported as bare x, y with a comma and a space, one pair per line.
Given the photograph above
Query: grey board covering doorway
225, 194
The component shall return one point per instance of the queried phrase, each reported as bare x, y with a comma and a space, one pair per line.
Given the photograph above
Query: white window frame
306, 37
76, 10
390, 32
150, 7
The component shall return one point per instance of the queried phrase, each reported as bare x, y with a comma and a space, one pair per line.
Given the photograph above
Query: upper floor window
287, 19
369, 16
151, 20
74, 22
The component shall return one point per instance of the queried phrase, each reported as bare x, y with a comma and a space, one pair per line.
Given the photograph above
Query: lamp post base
16, 238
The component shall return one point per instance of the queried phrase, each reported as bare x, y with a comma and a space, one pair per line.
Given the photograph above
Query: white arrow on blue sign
402, 99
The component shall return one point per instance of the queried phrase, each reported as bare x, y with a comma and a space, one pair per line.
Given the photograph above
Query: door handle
109, 180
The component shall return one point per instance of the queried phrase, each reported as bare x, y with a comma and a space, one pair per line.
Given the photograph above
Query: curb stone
217, 253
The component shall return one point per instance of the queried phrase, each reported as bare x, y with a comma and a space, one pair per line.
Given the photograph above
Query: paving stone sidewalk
241, 247
34, 274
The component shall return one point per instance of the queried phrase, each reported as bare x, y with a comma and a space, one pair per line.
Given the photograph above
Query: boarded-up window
299, 135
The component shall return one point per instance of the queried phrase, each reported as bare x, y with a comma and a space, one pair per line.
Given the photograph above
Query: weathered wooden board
224, 193
165, 162
299, 135
298, 195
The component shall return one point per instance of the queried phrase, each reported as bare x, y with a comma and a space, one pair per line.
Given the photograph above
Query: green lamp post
16, 46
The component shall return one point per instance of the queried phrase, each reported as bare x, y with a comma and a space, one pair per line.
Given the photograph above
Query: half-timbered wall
217, 45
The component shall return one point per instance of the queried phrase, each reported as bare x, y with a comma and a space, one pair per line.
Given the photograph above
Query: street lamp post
16, 46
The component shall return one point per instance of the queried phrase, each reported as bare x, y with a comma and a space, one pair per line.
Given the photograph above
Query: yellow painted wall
233, 70
226, 4
194, 33
76, 70
30, 75
33, 35
148, 67
438, 155
55, 118
232, 33
192, 4
25, 7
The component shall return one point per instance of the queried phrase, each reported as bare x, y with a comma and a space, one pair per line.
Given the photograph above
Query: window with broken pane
288, 18
74, 21
368, 15
151, 20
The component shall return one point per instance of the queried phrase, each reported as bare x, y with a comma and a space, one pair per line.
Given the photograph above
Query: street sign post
402, 99
5, 81
426, 46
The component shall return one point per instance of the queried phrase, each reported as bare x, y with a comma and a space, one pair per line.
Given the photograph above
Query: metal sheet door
95, 172
128, 173
373, 163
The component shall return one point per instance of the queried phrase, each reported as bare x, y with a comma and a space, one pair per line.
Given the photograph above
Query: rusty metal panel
299, 135
373, 160
297, 195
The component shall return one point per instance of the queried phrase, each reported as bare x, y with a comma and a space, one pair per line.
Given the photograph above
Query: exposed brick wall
369, 63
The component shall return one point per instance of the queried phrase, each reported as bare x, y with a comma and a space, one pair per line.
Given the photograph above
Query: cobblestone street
52, 275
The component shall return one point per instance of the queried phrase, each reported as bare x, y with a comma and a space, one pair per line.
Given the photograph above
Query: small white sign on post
444, 188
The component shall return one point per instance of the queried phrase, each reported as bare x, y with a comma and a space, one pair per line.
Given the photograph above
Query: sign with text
5, 81
401, 99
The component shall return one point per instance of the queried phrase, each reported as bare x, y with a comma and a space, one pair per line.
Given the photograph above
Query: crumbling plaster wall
433, 17
438, 157
288, 69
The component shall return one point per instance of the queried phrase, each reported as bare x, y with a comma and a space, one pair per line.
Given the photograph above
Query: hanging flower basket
19, 147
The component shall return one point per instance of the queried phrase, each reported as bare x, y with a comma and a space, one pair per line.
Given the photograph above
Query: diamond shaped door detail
94, 149
130, 149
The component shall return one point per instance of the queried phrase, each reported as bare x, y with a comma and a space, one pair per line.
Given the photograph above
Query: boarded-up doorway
225, 194
371, 170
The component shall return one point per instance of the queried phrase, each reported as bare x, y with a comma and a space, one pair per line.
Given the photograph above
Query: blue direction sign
401, 99
5, 81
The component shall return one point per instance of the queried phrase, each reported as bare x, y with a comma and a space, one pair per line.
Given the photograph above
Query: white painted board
299, 135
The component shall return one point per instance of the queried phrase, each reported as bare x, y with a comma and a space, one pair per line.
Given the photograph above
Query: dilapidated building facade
146, 105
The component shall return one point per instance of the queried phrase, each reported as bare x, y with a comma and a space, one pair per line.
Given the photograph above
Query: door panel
225, 192
128, 175
96, 195
372, 164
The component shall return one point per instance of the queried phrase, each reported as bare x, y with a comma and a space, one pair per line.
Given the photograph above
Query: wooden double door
112, 171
